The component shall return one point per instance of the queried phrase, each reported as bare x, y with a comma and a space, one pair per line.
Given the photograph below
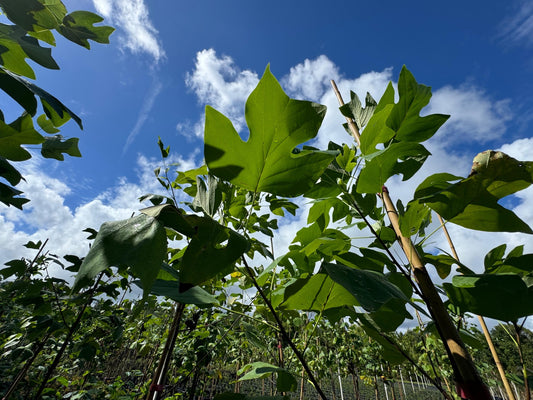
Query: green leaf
24, 92
371, 289
34, 15
9, 173
405, 117
139, 243
388, 351
78, 27
415, 219
317, 293
355, 110
377, 130
267, 162
404, 158
46, 124
213, 249
505, 297
171, 290
259, 370
55, 146
171, 217
16, 46
208, 198
17, 133
8, 196
473, 202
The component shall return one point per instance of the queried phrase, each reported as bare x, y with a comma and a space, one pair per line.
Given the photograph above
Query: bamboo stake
353, 127
482, 322
468, 381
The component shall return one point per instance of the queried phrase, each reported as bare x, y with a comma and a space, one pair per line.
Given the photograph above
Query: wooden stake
468, 381
353, 127
495, 356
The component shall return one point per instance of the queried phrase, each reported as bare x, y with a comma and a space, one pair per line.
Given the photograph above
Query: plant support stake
468, 382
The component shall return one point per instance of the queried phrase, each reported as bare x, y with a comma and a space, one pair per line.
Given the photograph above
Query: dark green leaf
171, 290
34, 15
78, 27
371, 289
8, 196
213, 249
473, 202
139, 243
55, 146
266, 162
500, 296
8, 172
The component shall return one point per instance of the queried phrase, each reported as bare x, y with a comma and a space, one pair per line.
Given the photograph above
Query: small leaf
171, 290
8, 172
404, 158
78, 27
17, 133
55, 146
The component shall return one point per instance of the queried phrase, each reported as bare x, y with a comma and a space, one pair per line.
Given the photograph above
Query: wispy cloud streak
518, 28
146, 108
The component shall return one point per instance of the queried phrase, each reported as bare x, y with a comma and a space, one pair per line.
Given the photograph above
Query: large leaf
267, 162
139, 243
317, 293
500, 296
371, 289
473, 202
34, 15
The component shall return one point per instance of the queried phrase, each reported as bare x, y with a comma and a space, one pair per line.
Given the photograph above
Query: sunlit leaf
266, 162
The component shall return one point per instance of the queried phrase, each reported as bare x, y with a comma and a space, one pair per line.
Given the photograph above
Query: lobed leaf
267, 162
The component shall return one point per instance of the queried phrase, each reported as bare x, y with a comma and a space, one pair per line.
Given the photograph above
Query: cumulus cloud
517, 28
475, 117
217, 81
47, 216
136, 31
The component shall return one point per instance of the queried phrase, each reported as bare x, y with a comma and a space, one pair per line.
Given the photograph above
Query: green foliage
268, 161
34, 21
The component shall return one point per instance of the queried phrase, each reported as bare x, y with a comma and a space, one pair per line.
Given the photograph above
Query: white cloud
146, 108
138, 34
310, 79
518, 27
475, 117
217, 81
47, 216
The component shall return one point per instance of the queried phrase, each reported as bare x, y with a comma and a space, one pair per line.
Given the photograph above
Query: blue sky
167, 59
